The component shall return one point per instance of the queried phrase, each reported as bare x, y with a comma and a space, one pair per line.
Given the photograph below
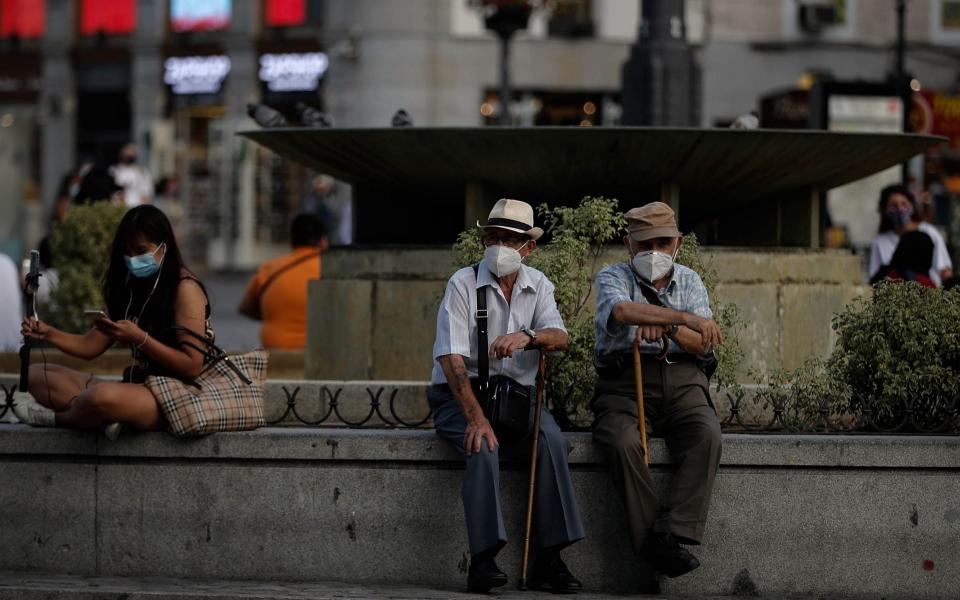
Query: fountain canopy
412, 181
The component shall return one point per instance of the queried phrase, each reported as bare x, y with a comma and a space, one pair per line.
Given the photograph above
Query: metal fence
785, 412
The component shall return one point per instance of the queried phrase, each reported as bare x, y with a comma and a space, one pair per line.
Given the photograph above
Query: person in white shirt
521, 313
898, 215
135, 179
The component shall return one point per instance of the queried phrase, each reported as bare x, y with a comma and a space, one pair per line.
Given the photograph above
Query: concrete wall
840, 516
373, 316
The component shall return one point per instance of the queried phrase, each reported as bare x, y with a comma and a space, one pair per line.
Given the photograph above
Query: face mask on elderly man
502, 260
652, 264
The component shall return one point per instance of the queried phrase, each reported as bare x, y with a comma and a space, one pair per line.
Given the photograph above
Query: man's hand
506, 345
478, 431
650, 333
709, 331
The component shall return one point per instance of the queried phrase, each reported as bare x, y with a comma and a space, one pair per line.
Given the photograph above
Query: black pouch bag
505, 401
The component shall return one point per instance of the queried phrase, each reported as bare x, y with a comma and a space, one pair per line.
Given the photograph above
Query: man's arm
693, 326
478, 427
549, 338
250, 303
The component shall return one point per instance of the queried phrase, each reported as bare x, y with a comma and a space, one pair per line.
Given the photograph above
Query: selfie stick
30, 289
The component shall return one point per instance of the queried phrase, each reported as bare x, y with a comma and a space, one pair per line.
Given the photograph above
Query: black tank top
163, 331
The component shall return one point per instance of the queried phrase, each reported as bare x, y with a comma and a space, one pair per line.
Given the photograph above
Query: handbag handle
214, 354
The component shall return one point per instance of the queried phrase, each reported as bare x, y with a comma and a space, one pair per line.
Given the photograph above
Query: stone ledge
423, 445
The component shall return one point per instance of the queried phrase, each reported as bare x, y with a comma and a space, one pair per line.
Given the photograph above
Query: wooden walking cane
541, 383
641, 418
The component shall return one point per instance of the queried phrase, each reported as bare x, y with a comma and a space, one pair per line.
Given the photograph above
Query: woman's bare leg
55, 386
109, 402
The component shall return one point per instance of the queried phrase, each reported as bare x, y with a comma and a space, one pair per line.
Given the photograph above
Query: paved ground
24, 586
234, 332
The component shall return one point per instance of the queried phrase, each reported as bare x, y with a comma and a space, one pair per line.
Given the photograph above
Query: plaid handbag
226, 396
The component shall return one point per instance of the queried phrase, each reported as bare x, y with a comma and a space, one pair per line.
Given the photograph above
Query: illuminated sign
200, 15
196, 74
293, 72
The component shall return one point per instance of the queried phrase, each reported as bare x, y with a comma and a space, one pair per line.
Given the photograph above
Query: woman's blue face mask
143, 265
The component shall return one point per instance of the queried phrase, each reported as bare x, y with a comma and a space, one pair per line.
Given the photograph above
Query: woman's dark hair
885, 195
118, 284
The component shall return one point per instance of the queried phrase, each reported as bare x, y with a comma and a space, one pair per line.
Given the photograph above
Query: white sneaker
31, 412
112, 431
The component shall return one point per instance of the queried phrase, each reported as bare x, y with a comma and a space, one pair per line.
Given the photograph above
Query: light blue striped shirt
617, 283
532, 305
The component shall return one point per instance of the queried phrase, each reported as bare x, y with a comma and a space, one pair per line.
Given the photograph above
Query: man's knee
555, 442
627, 443
485, 457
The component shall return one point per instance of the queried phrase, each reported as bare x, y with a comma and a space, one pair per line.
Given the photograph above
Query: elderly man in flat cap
653, 301
521, 315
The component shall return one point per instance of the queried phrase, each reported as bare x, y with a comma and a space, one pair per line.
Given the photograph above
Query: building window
571, 18
950, 15
25, 19
200, 15
111, 17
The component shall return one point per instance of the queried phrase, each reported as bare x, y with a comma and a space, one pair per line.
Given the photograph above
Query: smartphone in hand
95, 315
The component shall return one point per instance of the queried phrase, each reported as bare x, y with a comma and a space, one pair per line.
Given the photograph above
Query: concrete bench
840, 515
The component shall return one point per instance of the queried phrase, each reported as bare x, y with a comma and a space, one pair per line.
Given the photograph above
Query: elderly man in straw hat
653, 301
522, 315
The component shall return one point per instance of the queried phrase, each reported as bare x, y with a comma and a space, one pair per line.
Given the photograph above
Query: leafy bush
897, 357
80, 245
579, 236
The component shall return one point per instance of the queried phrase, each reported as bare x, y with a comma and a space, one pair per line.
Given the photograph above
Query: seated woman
147, 291
911, 260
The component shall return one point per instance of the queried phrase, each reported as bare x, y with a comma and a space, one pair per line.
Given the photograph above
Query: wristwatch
672, 330
530, 332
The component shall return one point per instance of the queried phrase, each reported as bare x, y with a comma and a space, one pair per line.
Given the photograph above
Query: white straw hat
513, 215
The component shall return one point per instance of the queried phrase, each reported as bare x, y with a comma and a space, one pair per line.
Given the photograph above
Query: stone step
27, 586
833, 516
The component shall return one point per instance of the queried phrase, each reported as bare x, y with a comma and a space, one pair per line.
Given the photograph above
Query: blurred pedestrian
132, 177
899, 215
911, 260
11, 305
277, 293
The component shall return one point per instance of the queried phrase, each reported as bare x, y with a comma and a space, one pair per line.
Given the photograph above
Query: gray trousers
556, 519
676, 407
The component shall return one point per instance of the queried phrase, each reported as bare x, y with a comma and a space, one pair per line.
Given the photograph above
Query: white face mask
652, 265
501, 260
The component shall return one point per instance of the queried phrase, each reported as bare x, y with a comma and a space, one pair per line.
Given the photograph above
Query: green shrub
80, 245
897, 355
579, 236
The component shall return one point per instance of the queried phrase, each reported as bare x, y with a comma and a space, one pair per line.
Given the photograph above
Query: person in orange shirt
277, 293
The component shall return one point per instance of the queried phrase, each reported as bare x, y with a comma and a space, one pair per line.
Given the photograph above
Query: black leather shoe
484, 575
668, 556
551, 573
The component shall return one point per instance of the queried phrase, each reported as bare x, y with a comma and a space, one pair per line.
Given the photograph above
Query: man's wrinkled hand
650, 333
505, 345
709, 331
476, 433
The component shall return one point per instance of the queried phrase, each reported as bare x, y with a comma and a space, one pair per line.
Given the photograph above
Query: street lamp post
505, 18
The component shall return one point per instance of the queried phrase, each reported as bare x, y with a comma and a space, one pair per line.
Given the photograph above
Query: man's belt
615, 364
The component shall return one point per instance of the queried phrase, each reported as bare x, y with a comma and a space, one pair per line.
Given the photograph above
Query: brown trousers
676, 406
